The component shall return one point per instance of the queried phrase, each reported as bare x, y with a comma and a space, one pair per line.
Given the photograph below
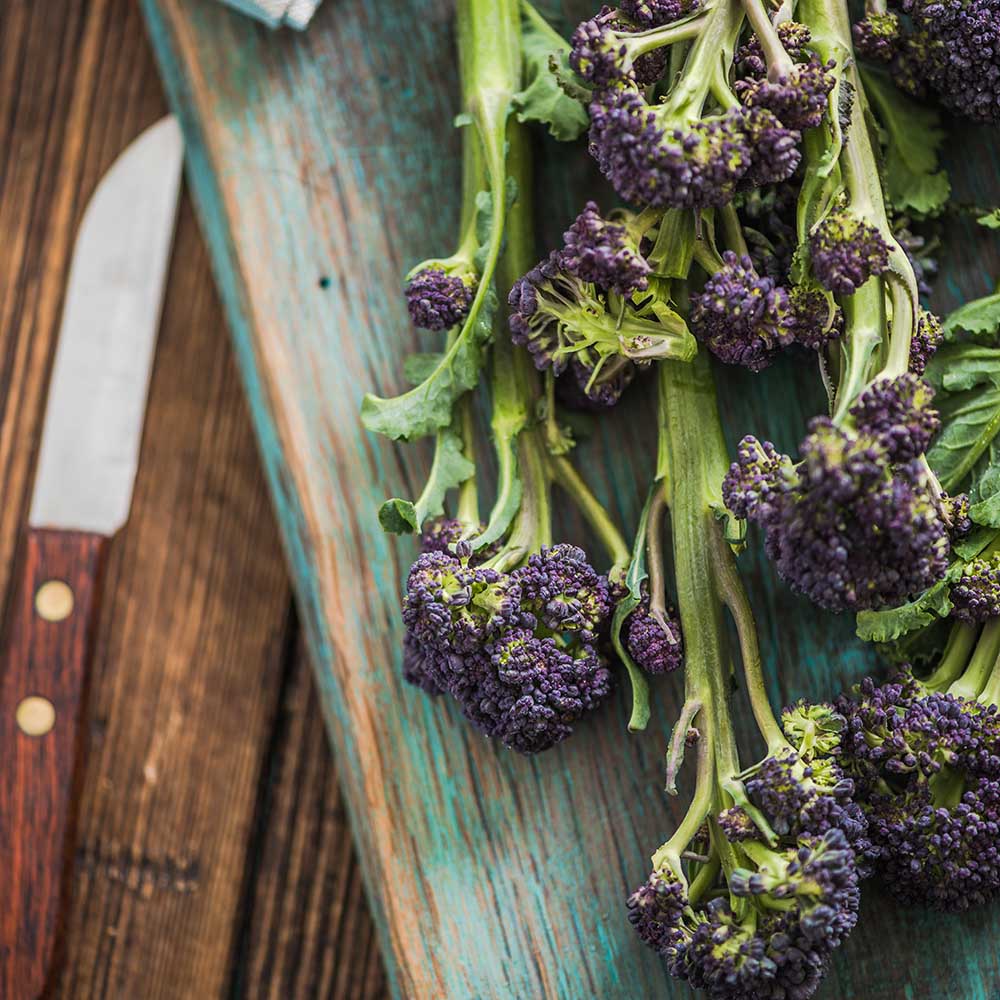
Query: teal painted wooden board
324, 166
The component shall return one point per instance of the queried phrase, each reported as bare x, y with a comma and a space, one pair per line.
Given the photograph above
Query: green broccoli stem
830, 24
489, 45
564, 473
695, 453
982, 663
779, 62
990, 695
468, 493
640, 42
734, 596
864, 321
955, 658
719, 31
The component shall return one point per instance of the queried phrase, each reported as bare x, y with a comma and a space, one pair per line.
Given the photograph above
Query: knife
82, 492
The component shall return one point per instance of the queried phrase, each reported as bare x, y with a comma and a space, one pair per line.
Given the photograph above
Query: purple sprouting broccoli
927, 338
758, 885
560, 318
797, 96
563, 593
601, 252
876, 36
518, 650
924, 756
846, 251
794, 38
898, 413
612, 49
653, 638
437, 299
776, 154
954, 47
455, 607
844, 526
651, 160
532, 690
656, 13
975, 595
816, 320
743, 319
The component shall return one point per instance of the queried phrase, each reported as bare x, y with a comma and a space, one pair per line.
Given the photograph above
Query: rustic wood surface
212, 857
323, 167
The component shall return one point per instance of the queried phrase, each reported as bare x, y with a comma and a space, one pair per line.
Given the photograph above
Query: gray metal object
97, 394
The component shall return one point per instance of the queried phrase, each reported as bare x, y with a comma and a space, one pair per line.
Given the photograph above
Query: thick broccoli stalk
498, 617
924, 755
759, 883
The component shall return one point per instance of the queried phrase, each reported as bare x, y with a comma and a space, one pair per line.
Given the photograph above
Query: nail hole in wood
35, 715
54, 600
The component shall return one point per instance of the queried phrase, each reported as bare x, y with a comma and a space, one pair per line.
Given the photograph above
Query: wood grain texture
192, 651
331, 156
44, 655
307, 932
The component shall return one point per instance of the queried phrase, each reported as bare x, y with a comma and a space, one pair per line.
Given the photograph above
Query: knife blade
82, 492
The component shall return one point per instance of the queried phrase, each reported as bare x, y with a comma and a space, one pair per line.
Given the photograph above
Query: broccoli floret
924, 755
954, 47
742, 318
846, 251
438, 300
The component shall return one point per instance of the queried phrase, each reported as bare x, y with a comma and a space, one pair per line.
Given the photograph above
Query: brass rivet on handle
35, 715
54, 600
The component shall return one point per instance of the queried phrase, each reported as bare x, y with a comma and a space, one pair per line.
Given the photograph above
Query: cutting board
323, 166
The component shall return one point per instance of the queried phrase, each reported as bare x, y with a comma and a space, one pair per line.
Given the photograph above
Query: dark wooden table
213, 857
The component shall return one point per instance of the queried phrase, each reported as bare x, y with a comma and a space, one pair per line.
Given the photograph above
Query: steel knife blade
82, 492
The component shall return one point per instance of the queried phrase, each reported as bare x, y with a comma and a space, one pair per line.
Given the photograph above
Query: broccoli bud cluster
518, 651
927, 766
856, 522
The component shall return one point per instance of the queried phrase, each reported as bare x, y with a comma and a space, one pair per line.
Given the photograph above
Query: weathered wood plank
307, 932
191, 650
331, 155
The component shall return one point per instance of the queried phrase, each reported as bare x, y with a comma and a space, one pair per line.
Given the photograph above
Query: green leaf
970, 421
449, 470
961, 366
933, 603
417, 367
635, 575
911, 139
543, 100
427, 407
991, 220
978, 316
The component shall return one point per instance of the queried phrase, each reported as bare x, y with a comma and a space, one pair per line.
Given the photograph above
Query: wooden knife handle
42, 686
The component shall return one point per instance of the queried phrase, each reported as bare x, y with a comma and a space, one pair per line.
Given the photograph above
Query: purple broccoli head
697, 165
844, 527
437, 300
655, 649
654, 13
928, 775
876, 36
816, 321
975, 595
744, 319
600, 252
794, 37
898, 413
797, 98
955, 47
846, 251
925, 341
